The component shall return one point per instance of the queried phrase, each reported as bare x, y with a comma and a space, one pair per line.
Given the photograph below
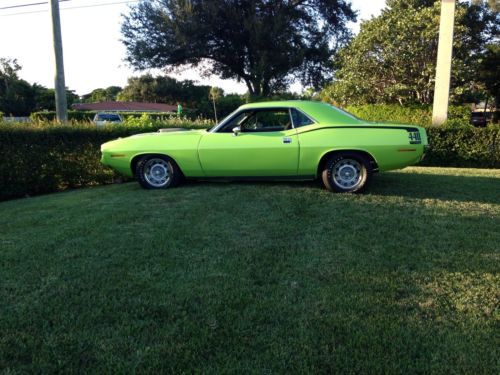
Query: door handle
287, 140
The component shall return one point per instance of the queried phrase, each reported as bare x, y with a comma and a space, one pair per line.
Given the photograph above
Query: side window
260, 120
271, 120
235, 121
299, 119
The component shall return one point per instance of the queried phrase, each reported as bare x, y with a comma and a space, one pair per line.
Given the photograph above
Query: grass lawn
256, 277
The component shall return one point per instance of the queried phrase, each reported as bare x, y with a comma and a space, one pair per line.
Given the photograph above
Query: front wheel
157, 172
347, 173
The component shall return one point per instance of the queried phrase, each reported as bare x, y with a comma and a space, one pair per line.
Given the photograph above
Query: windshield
224, 120
108, 117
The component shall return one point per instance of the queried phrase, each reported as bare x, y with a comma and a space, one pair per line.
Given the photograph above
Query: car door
264, 144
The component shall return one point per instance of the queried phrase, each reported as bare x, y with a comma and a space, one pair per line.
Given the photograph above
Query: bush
41, 158
467, 147
147, 121
45, 116
414, 115
225, 105
44, 157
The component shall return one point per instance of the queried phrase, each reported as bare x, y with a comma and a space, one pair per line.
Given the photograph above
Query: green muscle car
275, 140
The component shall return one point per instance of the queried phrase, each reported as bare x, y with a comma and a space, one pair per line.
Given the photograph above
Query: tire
347, 172
157, 172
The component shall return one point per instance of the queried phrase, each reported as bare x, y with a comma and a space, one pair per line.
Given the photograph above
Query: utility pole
443, 65
60, 85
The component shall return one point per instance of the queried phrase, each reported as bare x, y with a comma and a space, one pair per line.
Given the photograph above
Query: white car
101, 119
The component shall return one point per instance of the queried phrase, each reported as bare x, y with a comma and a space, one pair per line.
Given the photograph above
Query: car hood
169, 133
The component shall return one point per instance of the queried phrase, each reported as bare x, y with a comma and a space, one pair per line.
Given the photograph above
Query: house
125, 107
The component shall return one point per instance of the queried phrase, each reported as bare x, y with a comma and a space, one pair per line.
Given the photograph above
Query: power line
69, 8
28, 5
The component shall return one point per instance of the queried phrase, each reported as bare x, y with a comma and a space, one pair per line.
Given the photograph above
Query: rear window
108, 117
300, 119
345, 113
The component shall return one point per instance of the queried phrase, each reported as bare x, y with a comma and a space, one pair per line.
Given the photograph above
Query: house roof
125, 107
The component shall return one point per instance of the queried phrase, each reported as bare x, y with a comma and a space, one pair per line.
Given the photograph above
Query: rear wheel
347, 172
157, 172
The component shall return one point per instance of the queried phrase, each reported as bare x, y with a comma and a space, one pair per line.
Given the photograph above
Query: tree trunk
258, 87
215, 112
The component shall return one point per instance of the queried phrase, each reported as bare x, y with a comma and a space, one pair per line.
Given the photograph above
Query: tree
264, 43
16, 95
489, 73
112, 92
494, 4
109, 94
214, 95
45, 98
163, 89
393, 58
20, 98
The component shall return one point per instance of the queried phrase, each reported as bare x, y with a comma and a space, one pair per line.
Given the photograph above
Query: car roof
319, 111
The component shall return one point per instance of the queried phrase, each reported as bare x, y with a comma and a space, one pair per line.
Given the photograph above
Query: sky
93, 53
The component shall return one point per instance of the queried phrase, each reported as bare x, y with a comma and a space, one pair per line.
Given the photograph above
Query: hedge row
415, 115
463, 147
42, 159
44, 116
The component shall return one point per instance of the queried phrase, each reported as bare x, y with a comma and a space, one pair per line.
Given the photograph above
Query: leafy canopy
18, 97
163, 89
393, 58
265, 43
102, 95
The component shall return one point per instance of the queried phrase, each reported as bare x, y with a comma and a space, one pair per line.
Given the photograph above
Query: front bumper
117, 161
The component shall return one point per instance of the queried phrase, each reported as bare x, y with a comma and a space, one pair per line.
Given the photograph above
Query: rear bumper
426, 149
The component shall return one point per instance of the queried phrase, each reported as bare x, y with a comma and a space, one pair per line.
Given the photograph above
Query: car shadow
409, 185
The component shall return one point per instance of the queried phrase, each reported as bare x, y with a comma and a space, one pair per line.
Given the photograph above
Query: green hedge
415, 115
466, 147
43, 158
72, 116
89, 115
37, 159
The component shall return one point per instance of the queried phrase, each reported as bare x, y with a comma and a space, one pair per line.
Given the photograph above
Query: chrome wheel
346, 174
157, 172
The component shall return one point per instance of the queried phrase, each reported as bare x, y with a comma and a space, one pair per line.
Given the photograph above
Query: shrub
415, 115
45, 157
72, 116
171, 121
463, 147
89, 115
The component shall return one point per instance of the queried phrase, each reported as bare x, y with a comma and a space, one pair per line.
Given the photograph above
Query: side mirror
236, 131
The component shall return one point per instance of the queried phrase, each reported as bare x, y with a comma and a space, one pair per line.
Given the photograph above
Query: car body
480, 118
284, 139
101, 119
